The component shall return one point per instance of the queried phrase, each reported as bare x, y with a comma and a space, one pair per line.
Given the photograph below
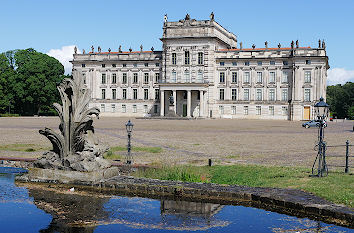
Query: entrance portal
307, 113
184, 114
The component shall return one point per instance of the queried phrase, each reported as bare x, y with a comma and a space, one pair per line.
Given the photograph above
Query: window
114, 78
200, 58
186, 76
157, 77
103, 65
157, 64
174, 76
307, 96
259, 77
114, 65
135, 94
135, 65
145, 108
222, 94
247, 77
284, 110
233, 110
259, 63
246, 94
124, 108
307, 76
272, 63
146, 78
113, 107
185, 95
103, 108
135, 77
222, 77
200, 76
234, 77
285, 77
271, 110
221, 110
134, 108
157, 94
247, 63
186, 58
114, 94
146, 64
258, 110
285, 63
272, 94
83, 65
234, 94
222, 63
146, 94
103, 81
124, 78
272, 77
155, 109
84, 77
245, 110
103, 94
284, 96
234, 63
124, 94
259, 94
308, 62
174, 58
124, 65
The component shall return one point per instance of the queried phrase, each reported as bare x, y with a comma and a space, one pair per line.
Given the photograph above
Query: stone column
175, 99
189, 102
162, 103
201, 103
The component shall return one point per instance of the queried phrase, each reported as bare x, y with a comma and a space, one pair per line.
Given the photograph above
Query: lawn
112, 152
336, 187
23, 147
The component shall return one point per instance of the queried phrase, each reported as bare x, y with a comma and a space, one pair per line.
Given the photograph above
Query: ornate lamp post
129, 127
321, 111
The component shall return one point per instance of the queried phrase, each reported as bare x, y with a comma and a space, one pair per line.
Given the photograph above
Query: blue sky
51, 26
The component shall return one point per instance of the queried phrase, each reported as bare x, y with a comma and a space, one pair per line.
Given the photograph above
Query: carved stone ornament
83, 51
120, 49
212, 16
75, 50
109, 50
75, 146
99, 49
165, 18
92, 49
279, 45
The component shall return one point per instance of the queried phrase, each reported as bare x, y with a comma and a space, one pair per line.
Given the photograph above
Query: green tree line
341, 100
28, 82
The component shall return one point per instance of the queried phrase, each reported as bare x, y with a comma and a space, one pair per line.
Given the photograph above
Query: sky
55, 27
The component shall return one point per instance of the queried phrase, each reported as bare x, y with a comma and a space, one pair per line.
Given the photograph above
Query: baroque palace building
208, 74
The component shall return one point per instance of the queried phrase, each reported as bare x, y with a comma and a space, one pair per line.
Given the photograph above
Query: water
48, 208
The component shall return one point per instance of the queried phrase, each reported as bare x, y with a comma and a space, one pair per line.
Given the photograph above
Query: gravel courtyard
226, 141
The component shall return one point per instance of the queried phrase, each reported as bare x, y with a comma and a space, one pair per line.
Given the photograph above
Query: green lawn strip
23, 147
336, 187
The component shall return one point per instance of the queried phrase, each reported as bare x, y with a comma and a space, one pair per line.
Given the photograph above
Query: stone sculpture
75, 147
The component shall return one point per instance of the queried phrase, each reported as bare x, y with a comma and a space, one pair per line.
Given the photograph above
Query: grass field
336, 187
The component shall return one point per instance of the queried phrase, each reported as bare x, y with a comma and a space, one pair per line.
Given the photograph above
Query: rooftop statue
75, 147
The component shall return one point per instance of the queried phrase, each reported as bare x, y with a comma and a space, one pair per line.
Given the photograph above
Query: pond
50, 208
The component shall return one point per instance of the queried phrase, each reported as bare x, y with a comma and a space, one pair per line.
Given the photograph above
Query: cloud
339, 76
64, 55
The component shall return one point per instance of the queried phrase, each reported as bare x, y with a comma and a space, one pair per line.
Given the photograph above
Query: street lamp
321, 111
129, 127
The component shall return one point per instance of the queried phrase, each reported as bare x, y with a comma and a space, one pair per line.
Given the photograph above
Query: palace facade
208, 73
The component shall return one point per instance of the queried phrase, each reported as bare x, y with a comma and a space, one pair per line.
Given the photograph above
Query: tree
341, 99
31, 79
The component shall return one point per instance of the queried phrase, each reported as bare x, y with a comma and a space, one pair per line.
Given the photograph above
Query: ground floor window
233, 110
245, 110
155, 108
134, 108
284, 110
258, 110
221, 109
271, 110
113, 106
124, 108
145, 108
103, 108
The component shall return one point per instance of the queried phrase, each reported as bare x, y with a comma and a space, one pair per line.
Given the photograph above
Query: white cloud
339, 76
64, 55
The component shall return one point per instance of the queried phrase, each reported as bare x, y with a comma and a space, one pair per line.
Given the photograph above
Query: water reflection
60, 210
